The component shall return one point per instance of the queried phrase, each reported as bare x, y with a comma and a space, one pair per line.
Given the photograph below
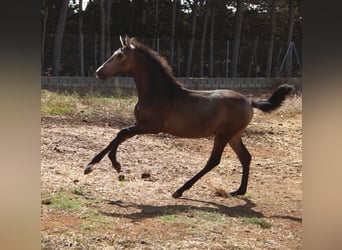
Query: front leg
123, 135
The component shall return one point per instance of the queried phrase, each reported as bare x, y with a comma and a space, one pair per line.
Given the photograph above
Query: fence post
227, 59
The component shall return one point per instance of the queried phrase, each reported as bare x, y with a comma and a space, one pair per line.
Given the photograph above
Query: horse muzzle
100, 73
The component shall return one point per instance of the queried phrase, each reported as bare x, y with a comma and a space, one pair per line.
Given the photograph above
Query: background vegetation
206, 38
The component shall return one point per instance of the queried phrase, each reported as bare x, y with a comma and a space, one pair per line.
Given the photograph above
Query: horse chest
147, 112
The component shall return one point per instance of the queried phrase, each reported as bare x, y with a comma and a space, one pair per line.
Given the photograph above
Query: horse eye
120, 55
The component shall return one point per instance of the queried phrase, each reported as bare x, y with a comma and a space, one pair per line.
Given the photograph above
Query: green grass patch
94, 216
78, 191
87, 227
57, 104
209, 216
90, 104
170, 218
73, 200
192, 216
248, 196
257, 221
68, 200
65, 201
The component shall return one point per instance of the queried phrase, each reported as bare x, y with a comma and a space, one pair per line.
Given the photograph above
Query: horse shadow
151, 211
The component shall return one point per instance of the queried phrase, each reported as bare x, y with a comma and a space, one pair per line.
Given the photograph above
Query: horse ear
131, 45
130, 42
126, 41
122, 41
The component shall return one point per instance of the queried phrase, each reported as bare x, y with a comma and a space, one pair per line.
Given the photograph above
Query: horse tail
276, 99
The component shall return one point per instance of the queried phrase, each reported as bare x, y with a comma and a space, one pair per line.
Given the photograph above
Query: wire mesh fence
216, 63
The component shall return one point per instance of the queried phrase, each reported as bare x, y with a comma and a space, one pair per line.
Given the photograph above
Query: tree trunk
156, 24
291, 21
102, 31
179, 58
253, 58
277, 67
237, 36
108, 21
173, 29
289, 38
192, 39
80, 33
143, 17
204, 34
211, 64
95, 52
43, 40
271, 41
57, 48
156, 18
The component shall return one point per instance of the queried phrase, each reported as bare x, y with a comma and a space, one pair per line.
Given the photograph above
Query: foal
165, 105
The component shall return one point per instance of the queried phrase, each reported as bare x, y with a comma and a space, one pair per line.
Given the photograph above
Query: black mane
157, 61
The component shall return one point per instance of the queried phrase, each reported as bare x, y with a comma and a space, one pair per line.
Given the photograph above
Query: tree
45, 12
108, 20
192, 39
289, 37
237, 35
80, 33
211, 61
253, 60
173, 29
156, 27
57, 48
291, 10
214, 7
102, 30
203, 39
185, 20
273, 14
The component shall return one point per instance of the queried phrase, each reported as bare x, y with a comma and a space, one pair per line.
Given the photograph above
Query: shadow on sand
151, 211
144, 211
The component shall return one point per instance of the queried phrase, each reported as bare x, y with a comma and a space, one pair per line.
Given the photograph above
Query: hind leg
214, 160
245, 159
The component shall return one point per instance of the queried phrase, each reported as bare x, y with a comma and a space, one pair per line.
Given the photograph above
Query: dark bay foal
165, 105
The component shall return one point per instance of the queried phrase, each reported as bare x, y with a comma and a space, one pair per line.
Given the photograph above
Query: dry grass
99, 211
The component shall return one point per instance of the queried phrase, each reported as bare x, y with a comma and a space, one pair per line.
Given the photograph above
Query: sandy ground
139, 213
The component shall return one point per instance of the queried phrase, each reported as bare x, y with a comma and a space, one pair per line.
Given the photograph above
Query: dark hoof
177, 194
89, 169
237, 192
117, 167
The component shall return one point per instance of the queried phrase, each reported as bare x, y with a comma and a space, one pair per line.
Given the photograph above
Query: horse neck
150, 81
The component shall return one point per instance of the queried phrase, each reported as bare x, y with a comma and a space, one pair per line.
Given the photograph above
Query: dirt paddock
99, 211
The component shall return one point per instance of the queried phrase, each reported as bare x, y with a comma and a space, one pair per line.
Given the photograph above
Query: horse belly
191, 126
191, 132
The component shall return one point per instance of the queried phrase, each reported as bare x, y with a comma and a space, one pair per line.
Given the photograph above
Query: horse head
119, 62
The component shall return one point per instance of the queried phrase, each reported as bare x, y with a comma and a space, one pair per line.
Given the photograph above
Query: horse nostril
100, 74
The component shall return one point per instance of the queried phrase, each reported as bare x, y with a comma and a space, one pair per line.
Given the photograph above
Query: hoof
89, 169
117, 167
237, 192
176, 194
